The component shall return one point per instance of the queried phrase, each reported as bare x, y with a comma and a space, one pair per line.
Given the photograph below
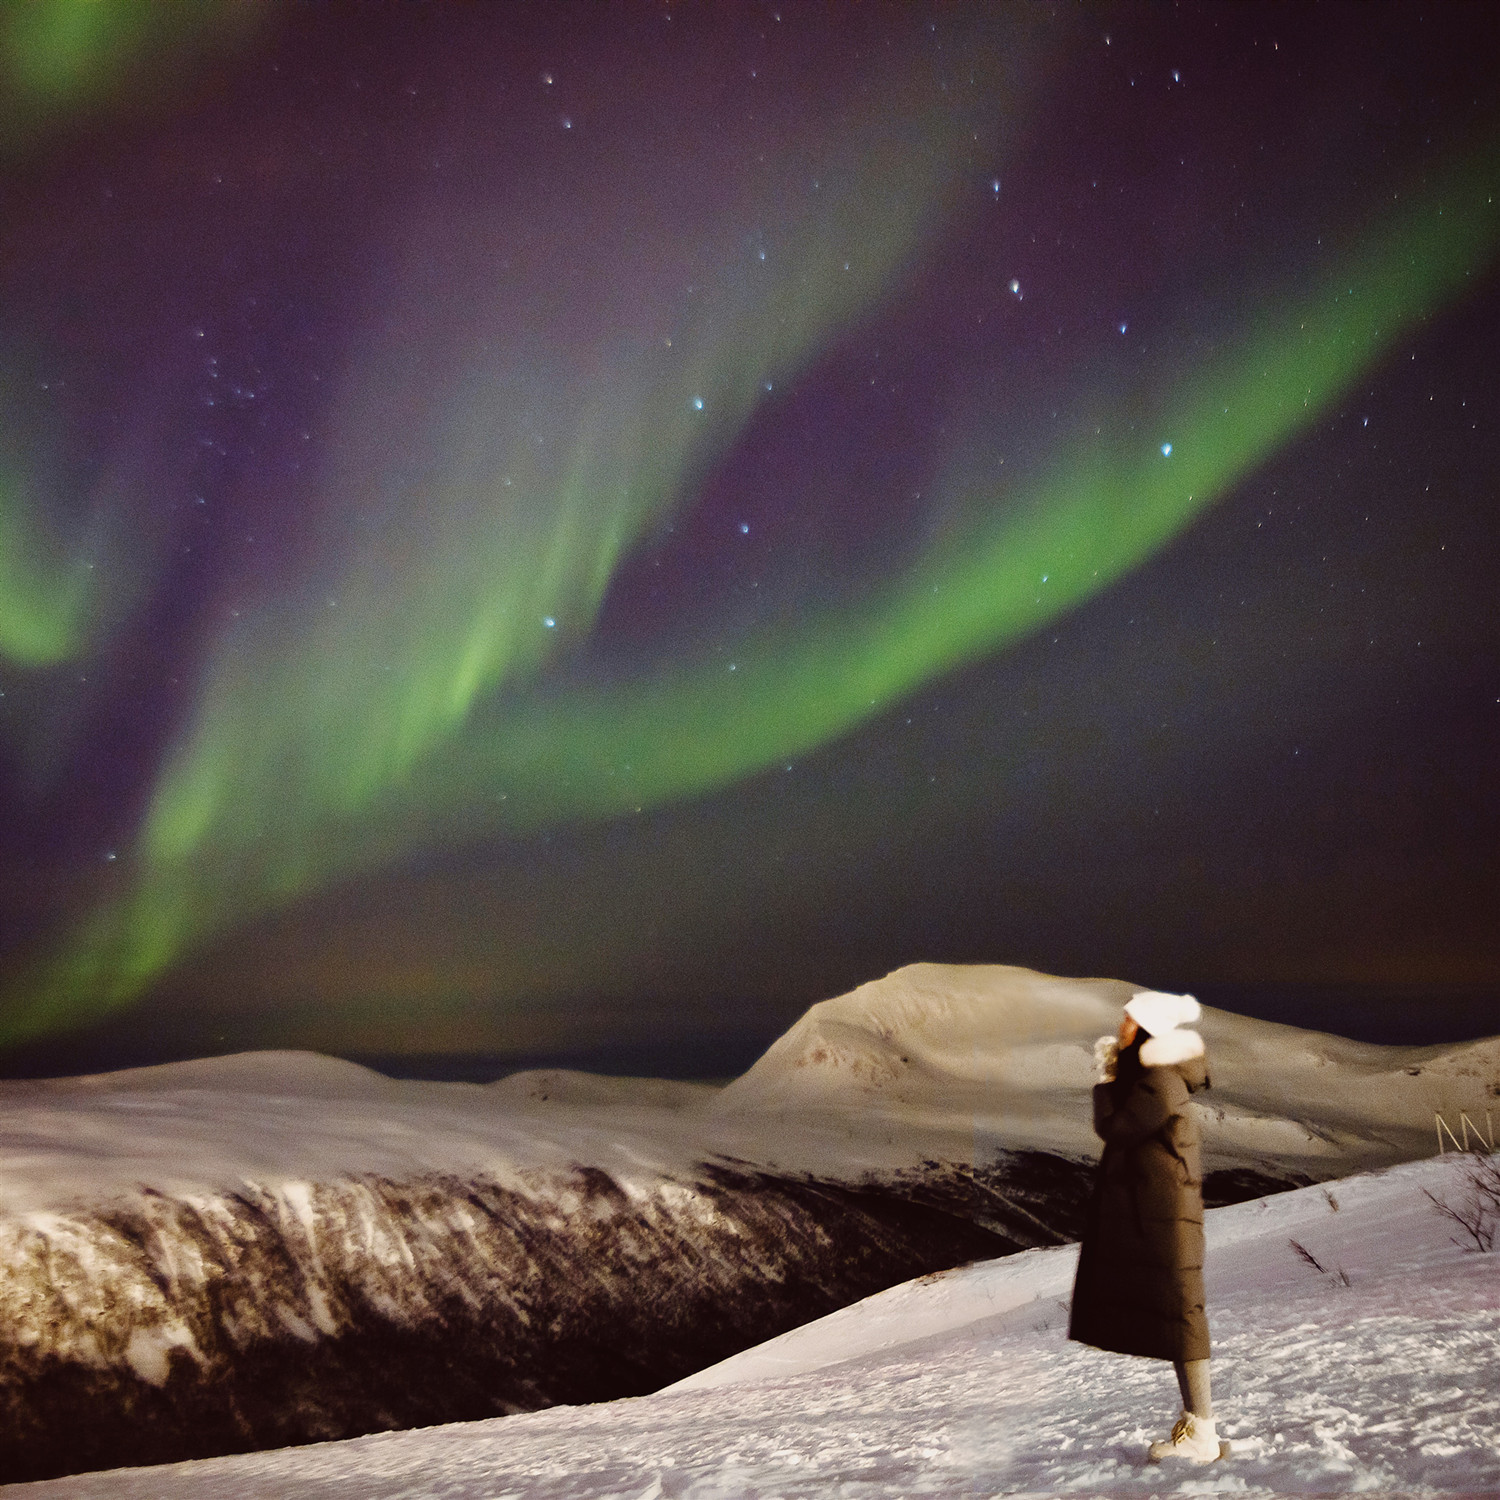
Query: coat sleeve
1153, 1101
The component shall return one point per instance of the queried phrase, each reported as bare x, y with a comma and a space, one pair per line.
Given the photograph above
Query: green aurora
62, 57
423, 696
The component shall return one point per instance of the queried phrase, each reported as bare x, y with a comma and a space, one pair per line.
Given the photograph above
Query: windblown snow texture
258, 1319
1373, 1375
186, 1327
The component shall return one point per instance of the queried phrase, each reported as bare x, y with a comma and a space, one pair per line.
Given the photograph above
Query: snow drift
277, 1248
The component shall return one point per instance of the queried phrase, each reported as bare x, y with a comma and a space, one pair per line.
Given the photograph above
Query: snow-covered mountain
1356, 1351
990, 1055
276, 1248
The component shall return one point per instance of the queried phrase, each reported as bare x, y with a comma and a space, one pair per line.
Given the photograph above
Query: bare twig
1478, 1214
1307, 1255
1338, 1273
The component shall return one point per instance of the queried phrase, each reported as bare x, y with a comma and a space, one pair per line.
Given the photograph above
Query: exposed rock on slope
157, 1328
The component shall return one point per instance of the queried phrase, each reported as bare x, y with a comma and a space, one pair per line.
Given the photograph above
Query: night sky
570, 532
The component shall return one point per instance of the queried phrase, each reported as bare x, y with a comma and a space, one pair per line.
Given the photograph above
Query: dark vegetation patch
162, 1329
1241, 1184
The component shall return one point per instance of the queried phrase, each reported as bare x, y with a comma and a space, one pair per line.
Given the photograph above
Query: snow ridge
1373, 1376
1006, 1054
220, 1322
277, 1248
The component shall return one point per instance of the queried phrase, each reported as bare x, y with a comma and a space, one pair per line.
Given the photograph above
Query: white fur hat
1156, 1013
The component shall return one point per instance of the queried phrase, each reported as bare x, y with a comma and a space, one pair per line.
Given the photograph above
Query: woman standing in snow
1139, 1288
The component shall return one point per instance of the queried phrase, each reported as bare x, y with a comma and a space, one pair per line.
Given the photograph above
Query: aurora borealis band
537, 528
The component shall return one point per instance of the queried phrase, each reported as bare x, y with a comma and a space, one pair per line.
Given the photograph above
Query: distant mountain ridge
1007, 1052
273, 1248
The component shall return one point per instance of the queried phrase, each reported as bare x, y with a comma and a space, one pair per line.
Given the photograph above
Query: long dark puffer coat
1139, 1288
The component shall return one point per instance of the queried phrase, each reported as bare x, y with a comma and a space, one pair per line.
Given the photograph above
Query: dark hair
1128, 1065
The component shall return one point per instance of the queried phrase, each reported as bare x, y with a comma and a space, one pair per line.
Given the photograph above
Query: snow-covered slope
1373, 1375
186, 1271
1005, 1054
259, 1250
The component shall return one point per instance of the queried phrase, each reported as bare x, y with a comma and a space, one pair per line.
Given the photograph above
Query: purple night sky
570, 532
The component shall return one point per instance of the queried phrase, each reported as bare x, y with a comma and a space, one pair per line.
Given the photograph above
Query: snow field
1379, 1374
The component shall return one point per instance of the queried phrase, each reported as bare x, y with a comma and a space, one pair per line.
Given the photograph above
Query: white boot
1193, 1437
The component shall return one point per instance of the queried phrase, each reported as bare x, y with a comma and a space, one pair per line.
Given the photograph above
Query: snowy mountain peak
1003, 1055
287, 1072
991, 1024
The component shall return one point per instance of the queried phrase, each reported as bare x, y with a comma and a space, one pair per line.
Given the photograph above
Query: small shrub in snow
1478, 1214
1338, 1273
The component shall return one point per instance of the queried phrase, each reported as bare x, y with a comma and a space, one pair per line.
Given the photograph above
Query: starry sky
565, 533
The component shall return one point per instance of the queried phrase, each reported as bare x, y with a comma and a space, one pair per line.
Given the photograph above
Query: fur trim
1171, 1047
1106, 1057
1157, 1012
